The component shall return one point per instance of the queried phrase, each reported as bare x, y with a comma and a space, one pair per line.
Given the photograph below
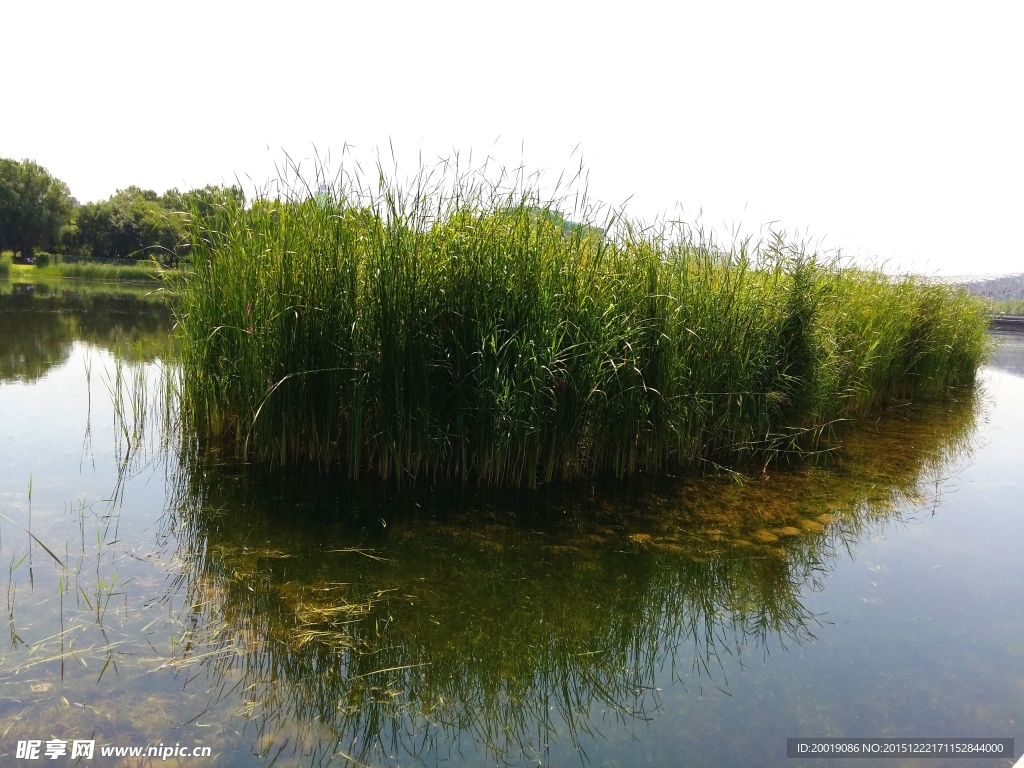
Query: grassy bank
85, 270
474, 334
1013, 307
47, 288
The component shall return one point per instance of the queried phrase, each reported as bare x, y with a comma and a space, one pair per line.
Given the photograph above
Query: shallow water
155, 598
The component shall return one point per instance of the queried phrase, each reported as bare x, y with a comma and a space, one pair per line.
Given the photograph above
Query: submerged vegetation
461, 329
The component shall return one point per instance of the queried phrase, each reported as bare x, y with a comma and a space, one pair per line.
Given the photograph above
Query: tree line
38, 213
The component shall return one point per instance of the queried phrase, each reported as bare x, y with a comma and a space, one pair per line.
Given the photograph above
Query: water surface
154, 596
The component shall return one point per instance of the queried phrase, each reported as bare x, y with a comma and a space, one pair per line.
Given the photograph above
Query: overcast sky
893, 130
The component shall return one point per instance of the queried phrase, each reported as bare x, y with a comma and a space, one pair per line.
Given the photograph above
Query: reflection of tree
38, 327
508, 625
31, 343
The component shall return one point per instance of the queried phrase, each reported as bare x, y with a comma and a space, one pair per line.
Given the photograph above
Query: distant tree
138, 223
133, 224
34, 206
205, 200
203, 204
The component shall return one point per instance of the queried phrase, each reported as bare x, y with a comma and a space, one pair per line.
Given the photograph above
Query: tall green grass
463, 330
1007, 307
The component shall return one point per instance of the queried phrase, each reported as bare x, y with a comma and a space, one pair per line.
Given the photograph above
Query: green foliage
1009, 307
205, 201
471, 335
37, 211
42, 260
143, 271
132, 224
34, 206
139, 224
5, 263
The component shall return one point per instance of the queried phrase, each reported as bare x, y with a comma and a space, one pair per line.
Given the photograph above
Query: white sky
891, 129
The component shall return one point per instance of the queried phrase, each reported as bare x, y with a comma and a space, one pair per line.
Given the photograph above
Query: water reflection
454, 627
298, 619
40, 322
1009, 352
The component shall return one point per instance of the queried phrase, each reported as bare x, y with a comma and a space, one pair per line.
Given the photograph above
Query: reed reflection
351, 626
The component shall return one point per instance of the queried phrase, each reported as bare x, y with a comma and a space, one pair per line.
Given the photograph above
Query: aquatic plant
455, 328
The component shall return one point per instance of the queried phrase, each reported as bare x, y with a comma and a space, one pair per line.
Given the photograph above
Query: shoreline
1007, 323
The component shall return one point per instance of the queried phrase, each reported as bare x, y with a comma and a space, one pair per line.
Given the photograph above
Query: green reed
458, 329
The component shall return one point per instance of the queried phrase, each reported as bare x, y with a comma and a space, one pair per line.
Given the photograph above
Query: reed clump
461, 329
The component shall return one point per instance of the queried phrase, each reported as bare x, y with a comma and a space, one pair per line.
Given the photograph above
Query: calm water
153, 597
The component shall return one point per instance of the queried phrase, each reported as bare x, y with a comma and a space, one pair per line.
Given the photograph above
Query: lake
157, 595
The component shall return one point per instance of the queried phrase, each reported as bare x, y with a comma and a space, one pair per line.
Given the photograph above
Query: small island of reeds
470, 331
